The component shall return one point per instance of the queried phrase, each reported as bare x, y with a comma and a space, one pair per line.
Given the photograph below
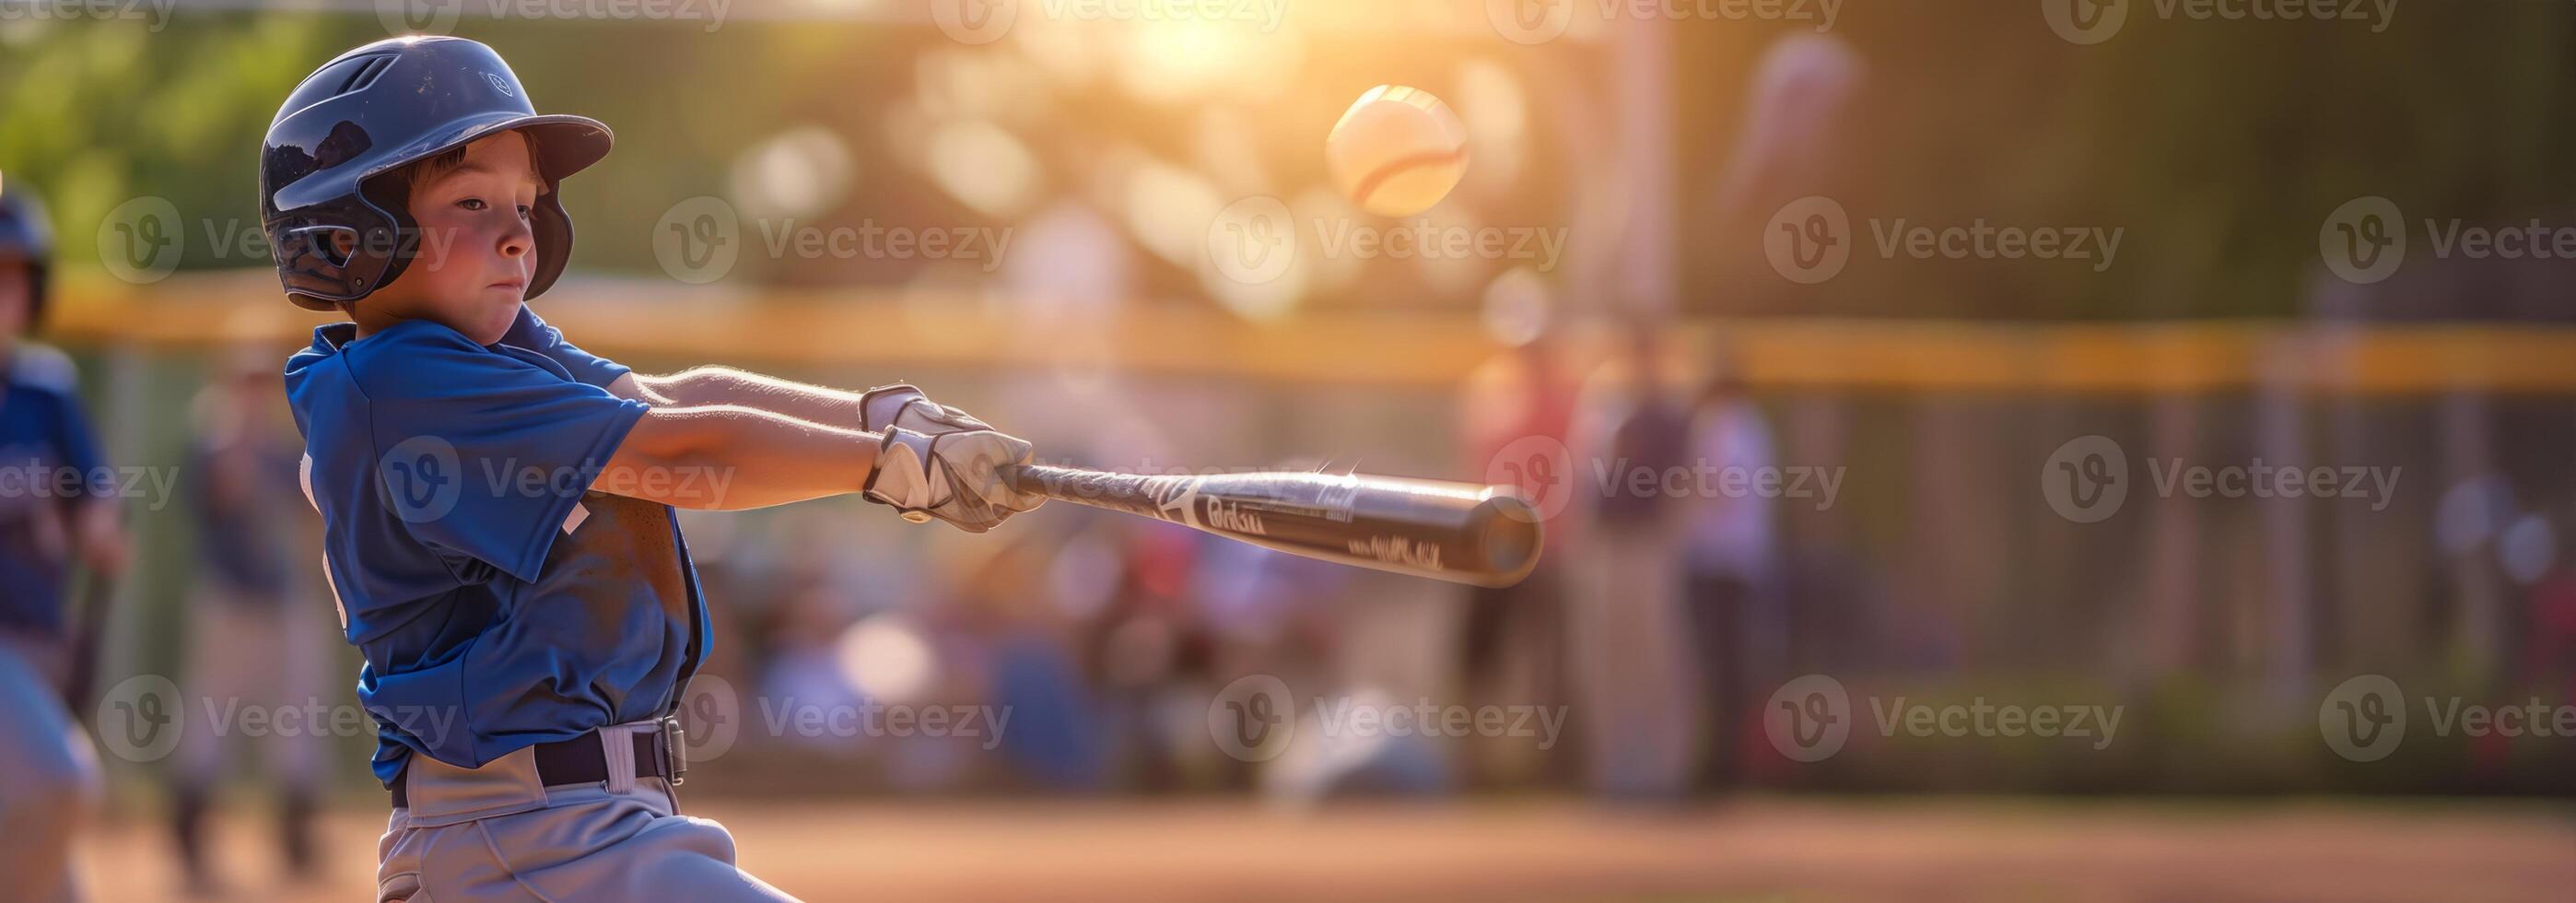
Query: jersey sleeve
531, 332
483, 457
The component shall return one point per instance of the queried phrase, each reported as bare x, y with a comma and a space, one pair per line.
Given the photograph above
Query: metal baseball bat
1460, 532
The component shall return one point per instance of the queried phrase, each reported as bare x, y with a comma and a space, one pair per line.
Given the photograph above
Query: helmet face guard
335, 236
25, 233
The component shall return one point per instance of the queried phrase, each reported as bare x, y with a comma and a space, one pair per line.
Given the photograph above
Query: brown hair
398, 183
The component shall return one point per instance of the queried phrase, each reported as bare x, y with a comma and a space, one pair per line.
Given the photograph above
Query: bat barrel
1459, 532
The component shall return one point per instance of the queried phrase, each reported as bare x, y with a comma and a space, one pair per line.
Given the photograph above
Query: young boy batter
497, 503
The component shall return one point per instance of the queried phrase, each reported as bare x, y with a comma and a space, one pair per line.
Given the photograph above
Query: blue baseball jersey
498, 600
49, 464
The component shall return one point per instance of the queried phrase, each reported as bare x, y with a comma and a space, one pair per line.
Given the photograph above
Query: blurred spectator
248, 646
1515, 411
1630, 664
1733, 561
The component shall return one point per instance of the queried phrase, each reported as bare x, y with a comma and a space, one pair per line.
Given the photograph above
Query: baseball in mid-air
1397, 151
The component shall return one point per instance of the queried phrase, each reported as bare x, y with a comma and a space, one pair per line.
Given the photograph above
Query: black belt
584, 760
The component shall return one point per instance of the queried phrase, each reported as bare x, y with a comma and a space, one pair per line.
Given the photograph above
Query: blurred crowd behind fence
2095, 516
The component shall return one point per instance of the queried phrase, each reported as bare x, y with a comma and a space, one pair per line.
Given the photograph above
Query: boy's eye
524, 210
471, 203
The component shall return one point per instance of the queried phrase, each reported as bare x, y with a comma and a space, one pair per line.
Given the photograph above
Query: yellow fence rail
879, 327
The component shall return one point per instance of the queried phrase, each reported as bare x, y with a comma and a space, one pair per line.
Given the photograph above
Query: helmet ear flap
392, 236
553, 229
341, 252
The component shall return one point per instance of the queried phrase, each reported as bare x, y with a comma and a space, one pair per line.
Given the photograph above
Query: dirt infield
1911, 849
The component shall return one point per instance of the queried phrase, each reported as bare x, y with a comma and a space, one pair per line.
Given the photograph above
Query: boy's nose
518, 241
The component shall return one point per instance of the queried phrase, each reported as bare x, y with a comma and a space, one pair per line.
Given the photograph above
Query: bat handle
1028, 477
1093, 488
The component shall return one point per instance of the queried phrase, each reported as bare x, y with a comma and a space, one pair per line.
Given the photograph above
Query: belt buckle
675, 749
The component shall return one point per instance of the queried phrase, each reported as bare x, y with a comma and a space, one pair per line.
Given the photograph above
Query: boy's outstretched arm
731, 458
869, 411
727, 458
714, 385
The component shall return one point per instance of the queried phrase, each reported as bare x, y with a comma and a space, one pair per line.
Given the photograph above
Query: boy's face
477, 252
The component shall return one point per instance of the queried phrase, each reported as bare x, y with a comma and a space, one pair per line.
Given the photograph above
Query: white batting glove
902, 406
955, 477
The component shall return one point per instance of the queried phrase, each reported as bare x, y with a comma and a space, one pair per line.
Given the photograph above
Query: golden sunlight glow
1173, 62
1168, 208
985, 167
800, 172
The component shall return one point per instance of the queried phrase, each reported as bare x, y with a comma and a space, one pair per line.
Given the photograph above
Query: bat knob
918, 517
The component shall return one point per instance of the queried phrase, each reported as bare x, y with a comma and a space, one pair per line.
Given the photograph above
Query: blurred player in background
56, 510
1631, 664
247, 615
1515, 410
1732, 553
